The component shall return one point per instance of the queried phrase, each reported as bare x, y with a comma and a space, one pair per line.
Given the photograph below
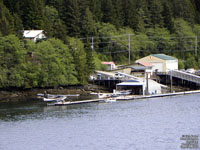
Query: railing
185, 76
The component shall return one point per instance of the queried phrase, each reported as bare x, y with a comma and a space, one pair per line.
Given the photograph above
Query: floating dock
76, 102
127, 97
133, 97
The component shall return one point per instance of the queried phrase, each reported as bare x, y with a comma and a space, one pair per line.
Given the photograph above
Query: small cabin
33, 35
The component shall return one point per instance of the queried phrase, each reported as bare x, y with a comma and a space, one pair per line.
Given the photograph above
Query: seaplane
56, 99
111, 97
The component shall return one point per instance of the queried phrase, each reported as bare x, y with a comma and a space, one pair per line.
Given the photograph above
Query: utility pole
129, 48
92, 46
171, 81
196, 43
147, 84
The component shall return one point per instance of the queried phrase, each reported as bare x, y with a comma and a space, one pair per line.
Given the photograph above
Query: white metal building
160, 62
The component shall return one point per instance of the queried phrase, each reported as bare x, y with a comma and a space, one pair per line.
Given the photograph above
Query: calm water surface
152, 124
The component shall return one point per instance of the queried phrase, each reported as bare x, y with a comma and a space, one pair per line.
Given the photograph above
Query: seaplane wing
58, 98
53, 96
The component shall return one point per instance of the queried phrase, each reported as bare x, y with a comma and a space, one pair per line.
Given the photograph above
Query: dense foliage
81, 33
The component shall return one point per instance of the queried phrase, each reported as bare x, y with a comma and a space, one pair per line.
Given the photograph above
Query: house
141, 68
33, 35
160, 62
111, 65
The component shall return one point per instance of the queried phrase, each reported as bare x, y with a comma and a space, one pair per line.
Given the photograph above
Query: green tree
183, 9
88, 24
54, 26
130, 14
71, 16
12, 62
6, 20
33, 14
95, 7
156, 13
118, 21
108, 11
168, 17
56, 64
79, 59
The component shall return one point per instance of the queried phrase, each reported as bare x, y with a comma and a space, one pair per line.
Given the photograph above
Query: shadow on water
37, 109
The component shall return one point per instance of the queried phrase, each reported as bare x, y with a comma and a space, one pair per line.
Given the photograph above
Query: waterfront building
160, 62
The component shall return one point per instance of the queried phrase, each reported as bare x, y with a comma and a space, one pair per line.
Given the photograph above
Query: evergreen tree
88, 24
71, 16
155, 9
143, 16
118, 21
184, 9
33, 14
54, 26
108, 11
6, 20
90, 59
95, 8
130, 15
79, 59
18, 26
167, 17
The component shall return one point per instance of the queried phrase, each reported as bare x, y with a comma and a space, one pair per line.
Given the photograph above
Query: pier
132, 97
176, 77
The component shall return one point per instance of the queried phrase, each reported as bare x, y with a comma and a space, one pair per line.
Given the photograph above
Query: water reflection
40, 110
141, 124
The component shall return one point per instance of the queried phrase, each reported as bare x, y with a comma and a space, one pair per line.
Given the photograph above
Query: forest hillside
82, 33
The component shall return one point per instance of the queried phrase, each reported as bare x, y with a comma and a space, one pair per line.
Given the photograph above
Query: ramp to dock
185, 76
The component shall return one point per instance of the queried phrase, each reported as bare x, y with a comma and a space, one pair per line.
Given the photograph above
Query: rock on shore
31, 94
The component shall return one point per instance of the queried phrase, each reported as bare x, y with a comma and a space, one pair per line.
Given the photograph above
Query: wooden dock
128, 97
77, 102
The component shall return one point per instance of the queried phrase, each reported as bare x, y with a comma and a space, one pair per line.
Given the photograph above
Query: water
152, 124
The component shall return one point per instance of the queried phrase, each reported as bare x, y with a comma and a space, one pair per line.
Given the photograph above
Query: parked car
197, 72
183, 70
190, 70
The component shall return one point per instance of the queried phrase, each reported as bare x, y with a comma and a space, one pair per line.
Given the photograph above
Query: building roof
145, 64
31, 33
139, 67
111, 74
107, 63
130, 83
164, 57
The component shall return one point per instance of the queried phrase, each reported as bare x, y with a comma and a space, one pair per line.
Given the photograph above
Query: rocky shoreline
9, 96
13, 95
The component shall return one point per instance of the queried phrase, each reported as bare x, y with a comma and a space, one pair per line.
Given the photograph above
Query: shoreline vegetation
80, 34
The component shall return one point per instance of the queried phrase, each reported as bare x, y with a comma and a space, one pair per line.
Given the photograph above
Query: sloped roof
31, 33
130, 83
146, 64
164, 57
107, 63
